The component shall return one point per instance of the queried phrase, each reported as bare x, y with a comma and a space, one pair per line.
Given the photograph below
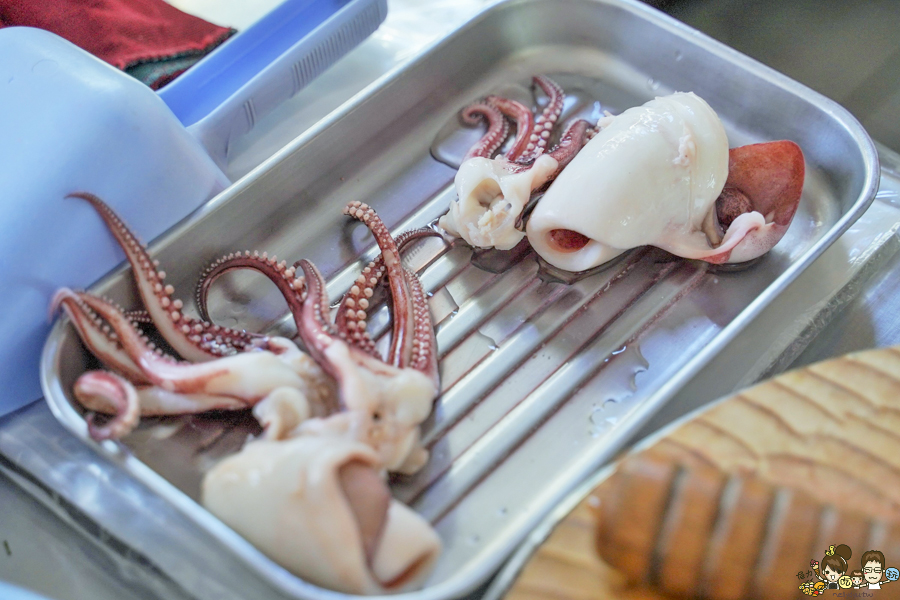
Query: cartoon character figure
873, 569
857, 578
834, 565
813, 589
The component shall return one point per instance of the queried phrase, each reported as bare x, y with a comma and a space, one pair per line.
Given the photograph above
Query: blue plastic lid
222, 97
217, 77
11, 592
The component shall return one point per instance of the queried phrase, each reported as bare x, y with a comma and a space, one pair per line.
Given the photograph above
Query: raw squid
493, 192
660, 174
311, 492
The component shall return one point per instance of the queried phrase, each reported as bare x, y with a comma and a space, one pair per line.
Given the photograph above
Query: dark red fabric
121, 32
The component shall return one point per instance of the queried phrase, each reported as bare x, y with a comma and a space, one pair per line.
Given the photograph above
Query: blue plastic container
11, 592
222, 96
70, 122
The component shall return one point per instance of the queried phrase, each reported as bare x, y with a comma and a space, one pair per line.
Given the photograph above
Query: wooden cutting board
735, 501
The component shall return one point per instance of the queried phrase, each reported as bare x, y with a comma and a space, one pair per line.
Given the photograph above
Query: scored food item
735, 500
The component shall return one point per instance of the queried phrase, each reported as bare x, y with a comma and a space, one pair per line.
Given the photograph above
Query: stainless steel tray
543, 379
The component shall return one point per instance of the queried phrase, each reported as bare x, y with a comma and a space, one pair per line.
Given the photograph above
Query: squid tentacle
401, 341
291, 286
113, 389
350, 320
362, 297
574, 137
313, 323
139, 316
165, 371
576, 134
544, 124
192, 339
97, 334
424, 348
497, 132
134, 360
523, 118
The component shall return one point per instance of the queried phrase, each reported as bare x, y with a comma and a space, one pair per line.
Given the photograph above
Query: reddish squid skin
193, 339
546, 121
123, 395
574, 137
285, 278
532, 131
498, 128
523, 118
567, 240
770, 175
731, 204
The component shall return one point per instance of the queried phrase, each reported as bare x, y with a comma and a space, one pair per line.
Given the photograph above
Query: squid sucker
660, 174
310, 491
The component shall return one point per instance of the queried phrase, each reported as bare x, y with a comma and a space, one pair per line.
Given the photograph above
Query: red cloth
124, 33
